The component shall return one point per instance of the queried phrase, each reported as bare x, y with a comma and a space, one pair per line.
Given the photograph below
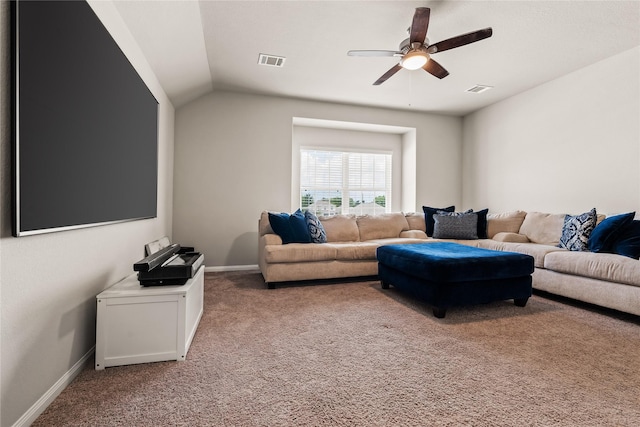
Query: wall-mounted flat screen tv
85, 125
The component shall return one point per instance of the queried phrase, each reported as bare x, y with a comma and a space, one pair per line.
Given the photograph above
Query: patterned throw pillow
455, 225
318, 235
577, 230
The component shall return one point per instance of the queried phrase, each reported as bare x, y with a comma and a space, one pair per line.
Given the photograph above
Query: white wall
48, 283
565, 147
233, 160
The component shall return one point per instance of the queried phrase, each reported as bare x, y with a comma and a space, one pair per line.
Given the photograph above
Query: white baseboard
38, 408
230, 268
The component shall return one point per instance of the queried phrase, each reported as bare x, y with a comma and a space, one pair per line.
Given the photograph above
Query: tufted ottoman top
452, 262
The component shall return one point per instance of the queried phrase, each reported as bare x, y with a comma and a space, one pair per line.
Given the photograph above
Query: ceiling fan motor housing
405, 45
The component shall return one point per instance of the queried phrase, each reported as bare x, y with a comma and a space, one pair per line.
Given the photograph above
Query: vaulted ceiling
195, 47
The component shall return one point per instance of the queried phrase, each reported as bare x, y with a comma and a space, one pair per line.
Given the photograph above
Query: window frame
345, 189
330, 134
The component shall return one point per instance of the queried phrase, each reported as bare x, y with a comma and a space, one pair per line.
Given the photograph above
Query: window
339, 182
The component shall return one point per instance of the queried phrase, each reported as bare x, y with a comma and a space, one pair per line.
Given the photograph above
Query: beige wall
48, 283
565, 147
233, 160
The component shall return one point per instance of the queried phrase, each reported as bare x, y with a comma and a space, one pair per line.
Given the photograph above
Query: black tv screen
85, 125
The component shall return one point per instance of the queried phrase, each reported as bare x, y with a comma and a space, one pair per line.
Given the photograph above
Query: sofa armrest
271, 239
506, 236
414, 234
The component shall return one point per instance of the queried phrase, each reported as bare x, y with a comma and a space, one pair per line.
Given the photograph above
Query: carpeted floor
352, 354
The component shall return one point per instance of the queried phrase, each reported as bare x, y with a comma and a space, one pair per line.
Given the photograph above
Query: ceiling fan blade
419, 25
432, 67
460, 40
374, 53
388, 74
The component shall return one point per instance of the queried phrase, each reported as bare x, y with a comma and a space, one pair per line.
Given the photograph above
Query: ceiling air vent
271, 60
479, 88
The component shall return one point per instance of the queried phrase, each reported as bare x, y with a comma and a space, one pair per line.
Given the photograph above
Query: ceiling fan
415, 52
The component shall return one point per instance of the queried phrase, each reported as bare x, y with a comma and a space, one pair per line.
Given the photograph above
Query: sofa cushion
381, 226
428, 217
536, 250
543, 228
355, 251
609, 267
299, 252
414, 234
291, 228
504, 236
628, 241
604, 235
455, 225
400, 240
416, 221
508, 222
576, 231
316, 230
341, 228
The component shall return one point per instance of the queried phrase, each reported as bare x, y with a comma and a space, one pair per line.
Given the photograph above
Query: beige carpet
351, 354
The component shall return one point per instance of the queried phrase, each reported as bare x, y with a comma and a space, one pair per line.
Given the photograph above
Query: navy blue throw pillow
300, 228
604, 235
280, 224
482, 223
627, 243
291, 228
428, 216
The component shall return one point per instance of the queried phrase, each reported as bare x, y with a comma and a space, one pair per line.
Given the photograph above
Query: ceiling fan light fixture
414, 59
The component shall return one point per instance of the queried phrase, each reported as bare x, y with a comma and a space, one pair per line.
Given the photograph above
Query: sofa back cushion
505, 236
543, 228
381, 226
416, 221
506, 222
341, 228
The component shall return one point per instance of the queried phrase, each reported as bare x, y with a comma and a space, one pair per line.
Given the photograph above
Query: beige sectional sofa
603, 279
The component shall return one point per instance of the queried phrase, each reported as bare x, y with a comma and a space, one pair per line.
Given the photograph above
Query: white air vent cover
479, 88
271, 60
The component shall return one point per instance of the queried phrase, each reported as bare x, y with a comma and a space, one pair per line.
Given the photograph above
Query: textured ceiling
198, 46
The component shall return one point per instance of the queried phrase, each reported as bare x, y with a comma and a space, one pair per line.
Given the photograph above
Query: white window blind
338, 182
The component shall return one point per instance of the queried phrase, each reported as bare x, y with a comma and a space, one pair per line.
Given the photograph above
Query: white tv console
137, 324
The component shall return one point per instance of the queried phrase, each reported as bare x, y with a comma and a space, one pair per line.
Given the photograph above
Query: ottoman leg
439, 312
385, 285
520, 302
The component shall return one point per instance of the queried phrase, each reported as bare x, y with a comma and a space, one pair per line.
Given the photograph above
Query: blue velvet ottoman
445, 274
